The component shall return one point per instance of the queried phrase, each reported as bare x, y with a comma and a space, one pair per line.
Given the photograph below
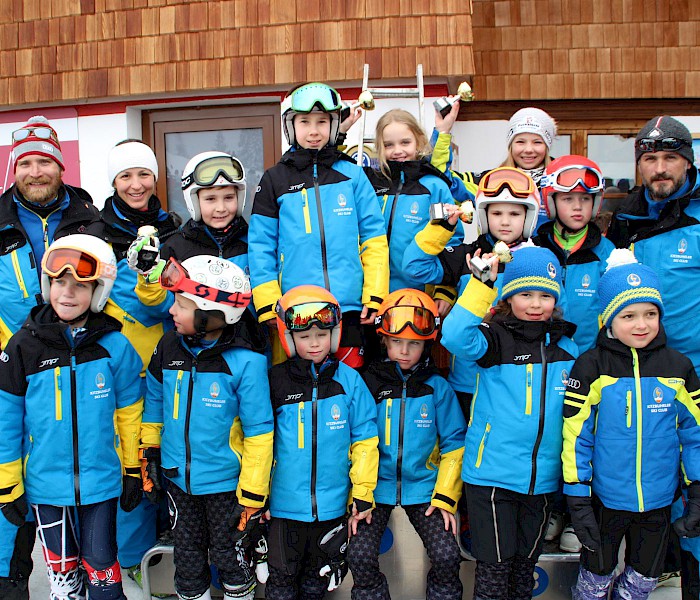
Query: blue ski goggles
315, 95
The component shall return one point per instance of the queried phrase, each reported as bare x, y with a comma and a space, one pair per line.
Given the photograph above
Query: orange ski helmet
408, 314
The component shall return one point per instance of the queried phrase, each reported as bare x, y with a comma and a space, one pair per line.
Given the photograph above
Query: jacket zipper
393, 207
74, 420
638, 408
18, 274
399, 449
321, 228
188, 449
314, 397
540, 427
482, 445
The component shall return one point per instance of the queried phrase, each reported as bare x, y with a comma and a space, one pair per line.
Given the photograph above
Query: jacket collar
301, 158
43, 324
614, 345
535, 331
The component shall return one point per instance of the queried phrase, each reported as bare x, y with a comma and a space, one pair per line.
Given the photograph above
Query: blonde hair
398, 115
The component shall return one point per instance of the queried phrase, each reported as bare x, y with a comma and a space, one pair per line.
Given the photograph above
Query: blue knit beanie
532, 268
626, 283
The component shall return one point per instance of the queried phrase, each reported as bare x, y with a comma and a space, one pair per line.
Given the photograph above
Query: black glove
689, 525
258, 542
150, 473
16, 511
132, 491
584, 522
333, 545
243, 520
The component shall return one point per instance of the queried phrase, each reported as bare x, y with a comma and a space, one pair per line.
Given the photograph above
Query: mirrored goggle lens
519, 184
209, 170
172, 275
303, 316
419, 319
307, 97
43, 133
84, 267
669, 144
567, 179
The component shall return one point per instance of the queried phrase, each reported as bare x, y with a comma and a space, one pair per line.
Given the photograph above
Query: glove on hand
334, 544
258, 542
584, 522
150, 473
16, 511
143, 254
689, 525
132, 491
243, 520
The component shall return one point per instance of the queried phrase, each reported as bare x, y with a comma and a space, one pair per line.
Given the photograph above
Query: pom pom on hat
532, 120
532, 268
31, 143
626, 281
130, 155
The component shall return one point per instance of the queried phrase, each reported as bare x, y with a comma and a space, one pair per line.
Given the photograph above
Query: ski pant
443, 551
507, 531
295, 558
646, 537
201, 530
16, 545
87, 533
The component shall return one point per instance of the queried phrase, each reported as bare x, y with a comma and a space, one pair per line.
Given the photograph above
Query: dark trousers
16, 566
201, 530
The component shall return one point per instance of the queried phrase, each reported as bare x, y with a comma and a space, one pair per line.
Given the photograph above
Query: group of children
307, 459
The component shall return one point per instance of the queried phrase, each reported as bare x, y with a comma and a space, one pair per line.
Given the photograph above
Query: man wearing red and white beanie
37, 209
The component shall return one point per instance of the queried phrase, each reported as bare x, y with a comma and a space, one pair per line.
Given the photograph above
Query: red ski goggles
420, 320
83, 265
175, 278
520, 184
324, 315
567, 179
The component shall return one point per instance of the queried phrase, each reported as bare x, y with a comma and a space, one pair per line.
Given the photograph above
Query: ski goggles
210, 169
175, 278
324, 315
83, 265
397, 318
43, 133
567, 179
519, 183
312, 95
668, 144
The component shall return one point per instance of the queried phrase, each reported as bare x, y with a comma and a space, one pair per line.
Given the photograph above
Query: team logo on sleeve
100, 381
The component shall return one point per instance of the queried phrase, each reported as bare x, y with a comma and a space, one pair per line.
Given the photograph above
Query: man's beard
42, 195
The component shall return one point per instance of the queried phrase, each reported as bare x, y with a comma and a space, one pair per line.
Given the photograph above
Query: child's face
314, 344
182, 312
406, 353
506, 221
69, 297
532, 305
574, 209
528, 150
135, 186
399, 142
218, 205
636, 325
312, 130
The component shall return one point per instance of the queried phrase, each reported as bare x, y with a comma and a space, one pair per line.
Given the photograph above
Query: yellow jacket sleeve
364, 456
448, 486
128, 423
256, 463
374, 254
433, 238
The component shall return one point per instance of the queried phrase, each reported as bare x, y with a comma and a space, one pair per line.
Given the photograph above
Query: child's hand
445, 124
443, 307
447, 517
367, 315
354, 116
357, 516
453, 211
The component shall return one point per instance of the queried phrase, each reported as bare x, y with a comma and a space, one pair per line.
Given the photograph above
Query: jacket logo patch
44, 363
176, 363
100, 381
11, 247
293, 188
214, 390
682, 246
414, 208
336, 422
522, 356
574, 384
564, 377
423, 411
658, 395
335, 412
342, 200
586, 281
293, 397
682, 257
384, 394
4, 357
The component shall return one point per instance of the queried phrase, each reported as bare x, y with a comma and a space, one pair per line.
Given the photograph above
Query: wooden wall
564, 49
68, 50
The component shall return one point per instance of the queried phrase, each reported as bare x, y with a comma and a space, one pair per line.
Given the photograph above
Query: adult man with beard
660, 222
37, 209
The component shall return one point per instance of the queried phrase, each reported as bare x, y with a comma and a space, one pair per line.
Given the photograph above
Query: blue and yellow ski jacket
514, 432
70, 409
421, 436
210, 413
631, 419
316, 220
325, 440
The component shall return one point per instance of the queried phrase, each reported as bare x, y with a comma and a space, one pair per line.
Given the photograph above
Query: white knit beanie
131, 155
532, 120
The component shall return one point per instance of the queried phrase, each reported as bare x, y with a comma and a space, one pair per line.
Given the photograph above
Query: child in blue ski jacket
512, 462
421, 442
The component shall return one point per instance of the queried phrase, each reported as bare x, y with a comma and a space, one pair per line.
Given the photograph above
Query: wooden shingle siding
67, 50
556, 49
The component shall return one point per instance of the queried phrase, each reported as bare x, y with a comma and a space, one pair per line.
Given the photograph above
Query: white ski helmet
212, 274
308, 98
87, 258
512, 186
212, 169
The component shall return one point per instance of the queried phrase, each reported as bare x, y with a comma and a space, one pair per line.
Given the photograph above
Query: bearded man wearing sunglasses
38, 208
660, 222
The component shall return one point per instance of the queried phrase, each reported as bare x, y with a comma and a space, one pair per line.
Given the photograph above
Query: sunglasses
519, 184
175, 278
397, 318
668, 144
569, 178
209, 170
43, 133
83, 265
301, 317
